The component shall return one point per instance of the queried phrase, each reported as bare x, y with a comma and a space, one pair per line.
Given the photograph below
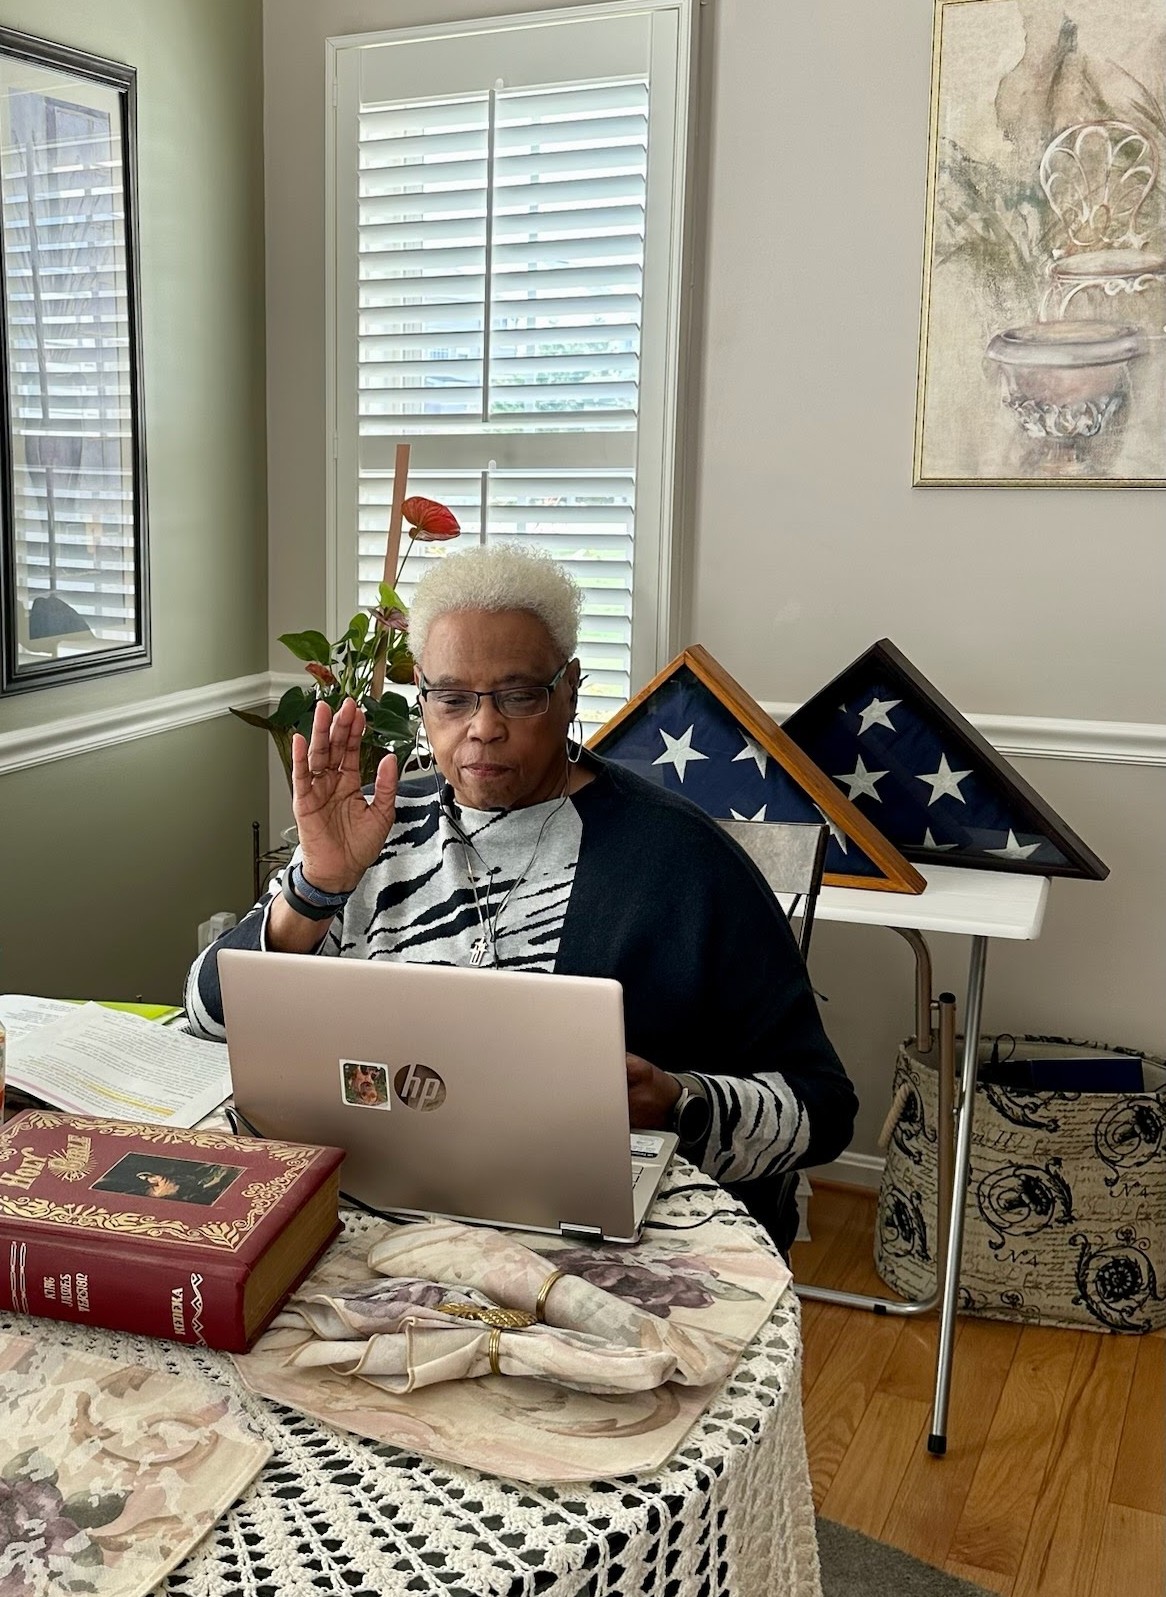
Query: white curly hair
498, 576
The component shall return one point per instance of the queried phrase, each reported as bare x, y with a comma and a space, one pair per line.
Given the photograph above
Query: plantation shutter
68, 330
494, 307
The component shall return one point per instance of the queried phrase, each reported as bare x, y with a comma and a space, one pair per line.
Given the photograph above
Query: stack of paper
107, 1062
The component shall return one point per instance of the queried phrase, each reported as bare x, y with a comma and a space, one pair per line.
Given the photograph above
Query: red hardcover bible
197, 1236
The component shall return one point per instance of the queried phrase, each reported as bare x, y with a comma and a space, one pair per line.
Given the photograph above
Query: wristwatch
692, 1113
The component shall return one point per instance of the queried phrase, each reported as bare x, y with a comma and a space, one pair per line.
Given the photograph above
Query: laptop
492, 1096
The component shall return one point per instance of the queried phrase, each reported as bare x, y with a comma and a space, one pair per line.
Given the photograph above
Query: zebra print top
621, 879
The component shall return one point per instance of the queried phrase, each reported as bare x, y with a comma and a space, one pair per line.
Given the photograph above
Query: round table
729, 1515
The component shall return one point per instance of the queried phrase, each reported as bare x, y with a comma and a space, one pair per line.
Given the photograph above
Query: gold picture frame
1042, 347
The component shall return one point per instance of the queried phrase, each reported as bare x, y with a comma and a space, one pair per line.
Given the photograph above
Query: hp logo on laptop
418, 1087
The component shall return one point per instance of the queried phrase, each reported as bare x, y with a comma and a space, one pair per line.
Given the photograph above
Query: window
73, 574
506, 228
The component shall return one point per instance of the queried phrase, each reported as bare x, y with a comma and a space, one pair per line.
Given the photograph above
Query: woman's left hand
651, 1095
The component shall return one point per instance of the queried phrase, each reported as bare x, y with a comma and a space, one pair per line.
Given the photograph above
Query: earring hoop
422, 751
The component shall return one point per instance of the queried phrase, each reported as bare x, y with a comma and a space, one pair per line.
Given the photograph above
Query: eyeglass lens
514, 703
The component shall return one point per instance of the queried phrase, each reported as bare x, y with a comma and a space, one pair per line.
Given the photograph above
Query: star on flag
679, 751
1013, 849
945, 783
861, 782
877, 713
834, 829
753, 751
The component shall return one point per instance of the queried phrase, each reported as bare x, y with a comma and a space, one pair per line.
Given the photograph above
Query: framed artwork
74, 597
1042, 355
694, 730
923, 774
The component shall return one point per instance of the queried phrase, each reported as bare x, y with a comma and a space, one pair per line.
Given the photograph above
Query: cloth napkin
109, 1472
430, 1316
686, 1302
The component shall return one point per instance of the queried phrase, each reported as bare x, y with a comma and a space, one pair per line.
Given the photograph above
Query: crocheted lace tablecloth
729, 1515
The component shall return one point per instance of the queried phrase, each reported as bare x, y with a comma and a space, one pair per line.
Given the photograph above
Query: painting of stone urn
1043, 346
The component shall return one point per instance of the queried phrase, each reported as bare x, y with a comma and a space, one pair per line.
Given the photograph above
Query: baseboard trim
851, 1170
124, 723
1049, 738
1040, 737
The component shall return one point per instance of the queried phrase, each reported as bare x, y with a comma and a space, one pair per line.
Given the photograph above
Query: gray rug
855, 1566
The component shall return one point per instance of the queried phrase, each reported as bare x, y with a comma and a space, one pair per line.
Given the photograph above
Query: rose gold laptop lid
491, 1096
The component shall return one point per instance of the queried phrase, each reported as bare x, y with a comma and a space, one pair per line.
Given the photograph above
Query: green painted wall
120, 854
108, 861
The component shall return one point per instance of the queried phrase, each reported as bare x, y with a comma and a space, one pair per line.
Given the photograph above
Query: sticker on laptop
645, 1146
364, 1085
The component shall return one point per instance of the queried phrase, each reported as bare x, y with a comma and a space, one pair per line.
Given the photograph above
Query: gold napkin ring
493, 1349
544, 1292
502, 1319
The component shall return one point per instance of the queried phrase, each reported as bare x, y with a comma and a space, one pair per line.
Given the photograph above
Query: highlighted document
107, 1062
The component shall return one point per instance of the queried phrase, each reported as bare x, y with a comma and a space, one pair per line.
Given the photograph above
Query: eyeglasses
516, 704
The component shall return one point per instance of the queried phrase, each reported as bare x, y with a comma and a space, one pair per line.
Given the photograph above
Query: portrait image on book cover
364, 1085
181, 1180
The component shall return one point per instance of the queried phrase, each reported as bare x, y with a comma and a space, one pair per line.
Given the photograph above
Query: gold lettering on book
26, 1172
73, 1164
82, 1285
177, 1314
67, 1291
292, 1162
50, 1285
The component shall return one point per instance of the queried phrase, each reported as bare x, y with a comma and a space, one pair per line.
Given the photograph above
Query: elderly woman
522, 850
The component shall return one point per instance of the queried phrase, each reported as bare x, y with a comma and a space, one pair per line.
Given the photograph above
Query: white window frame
655, 582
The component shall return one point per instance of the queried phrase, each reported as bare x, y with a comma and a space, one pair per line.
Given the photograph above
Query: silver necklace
486, 944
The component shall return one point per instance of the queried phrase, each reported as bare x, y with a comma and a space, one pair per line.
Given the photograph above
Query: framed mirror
74, 596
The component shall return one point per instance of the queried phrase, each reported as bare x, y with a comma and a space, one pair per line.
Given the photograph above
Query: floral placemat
638, 1340
109, 1473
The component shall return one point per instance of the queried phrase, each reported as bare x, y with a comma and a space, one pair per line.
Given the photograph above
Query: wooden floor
1053, 1482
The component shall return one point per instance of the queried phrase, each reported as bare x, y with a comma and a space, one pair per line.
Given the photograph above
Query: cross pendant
479, 951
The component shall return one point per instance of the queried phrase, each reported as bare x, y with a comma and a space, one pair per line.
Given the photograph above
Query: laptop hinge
584, 1233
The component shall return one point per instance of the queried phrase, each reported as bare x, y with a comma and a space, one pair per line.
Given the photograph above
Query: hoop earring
573, 759
422, 752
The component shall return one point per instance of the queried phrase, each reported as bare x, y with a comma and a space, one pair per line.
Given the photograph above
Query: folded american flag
926, 778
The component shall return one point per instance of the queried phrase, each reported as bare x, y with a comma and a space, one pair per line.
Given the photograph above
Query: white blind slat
498, 260
68, 368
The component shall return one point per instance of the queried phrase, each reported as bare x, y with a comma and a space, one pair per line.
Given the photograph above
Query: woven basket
1065, 1221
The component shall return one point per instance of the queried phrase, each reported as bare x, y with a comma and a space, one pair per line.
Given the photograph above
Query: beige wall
810, 542
148, 837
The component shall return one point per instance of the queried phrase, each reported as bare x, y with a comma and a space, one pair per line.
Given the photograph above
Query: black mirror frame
122, 79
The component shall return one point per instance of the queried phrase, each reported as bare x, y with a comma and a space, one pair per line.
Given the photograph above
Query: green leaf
291, 709
357, 628
389, 716
307, 645
252, 719
31, 1465
90, 1509
729, 1290
389, 598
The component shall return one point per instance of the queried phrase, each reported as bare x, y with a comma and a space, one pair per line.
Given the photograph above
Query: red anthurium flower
429, 521
321, 673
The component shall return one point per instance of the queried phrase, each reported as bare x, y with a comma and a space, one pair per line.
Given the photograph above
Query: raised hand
341, 832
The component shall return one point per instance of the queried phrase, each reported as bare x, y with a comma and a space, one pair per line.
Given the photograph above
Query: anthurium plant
373, 651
